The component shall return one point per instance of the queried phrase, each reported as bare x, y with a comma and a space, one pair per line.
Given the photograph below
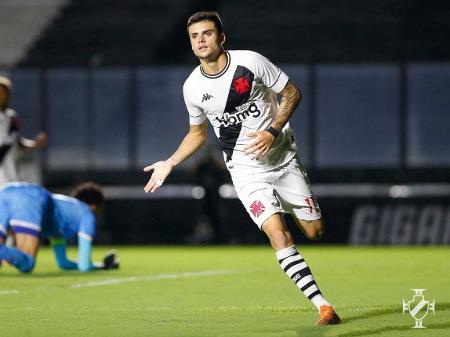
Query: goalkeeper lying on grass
31, 212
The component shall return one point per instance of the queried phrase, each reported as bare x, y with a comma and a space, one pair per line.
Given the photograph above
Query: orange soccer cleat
328, 316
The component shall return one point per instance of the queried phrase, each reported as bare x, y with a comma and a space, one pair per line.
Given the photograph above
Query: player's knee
314, 230
315, 234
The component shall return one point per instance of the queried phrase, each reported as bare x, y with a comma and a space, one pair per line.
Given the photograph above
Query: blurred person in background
238, 91
32, 213
209, 172
10, 140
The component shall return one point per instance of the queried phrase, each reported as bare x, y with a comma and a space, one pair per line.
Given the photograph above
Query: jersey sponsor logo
237, 118
206, 97
241, 85
257, 208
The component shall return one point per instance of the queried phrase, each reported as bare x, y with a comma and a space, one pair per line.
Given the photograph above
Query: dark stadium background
104, 79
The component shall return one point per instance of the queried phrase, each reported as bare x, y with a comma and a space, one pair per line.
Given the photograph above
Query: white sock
318, 301
296, 268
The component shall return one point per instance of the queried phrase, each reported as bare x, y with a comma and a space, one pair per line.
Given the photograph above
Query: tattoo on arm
290, 99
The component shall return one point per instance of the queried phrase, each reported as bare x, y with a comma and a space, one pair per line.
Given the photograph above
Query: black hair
90, 193
206, 16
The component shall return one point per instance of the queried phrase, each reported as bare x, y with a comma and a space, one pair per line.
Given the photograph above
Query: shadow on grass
58, 274
393, 309
370, 315
35, 276
391, 328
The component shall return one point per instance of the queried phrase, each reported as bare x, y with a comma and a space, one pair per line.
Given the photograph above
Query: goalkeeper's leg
23, 258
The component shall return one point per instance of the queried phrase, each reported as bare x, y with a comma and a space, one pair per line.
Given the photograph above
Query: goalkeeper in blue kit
31, 212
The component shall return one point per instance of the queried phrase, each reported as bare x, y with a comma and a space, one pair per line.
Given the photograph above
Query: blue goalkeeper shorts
24, 208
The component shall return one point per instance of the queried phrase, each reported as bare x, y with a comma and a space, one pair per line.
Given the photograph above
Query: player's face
4, 94
205, 40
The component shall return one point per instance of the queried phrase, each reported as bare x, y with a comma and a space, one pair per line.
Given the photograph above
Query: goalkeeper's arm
59, 249
85, 263
84, 255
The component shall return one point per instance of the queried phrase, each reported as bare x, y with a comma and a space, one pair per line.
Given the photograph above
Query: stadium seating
335, 31
20, 25
108, 32
142, 32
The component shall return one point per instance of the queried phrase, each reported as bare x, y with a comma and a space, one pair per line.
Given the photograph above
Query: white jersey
240, 99
9, 146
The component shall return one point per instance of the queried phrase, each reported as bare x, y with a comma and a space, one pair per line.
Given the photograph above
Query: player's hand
160, 170
261, 145
111, 261
41, 140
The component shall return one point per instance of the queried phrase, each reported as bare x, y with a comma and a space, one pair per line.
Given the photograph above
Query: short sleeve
270, 75
196, 114
15, 124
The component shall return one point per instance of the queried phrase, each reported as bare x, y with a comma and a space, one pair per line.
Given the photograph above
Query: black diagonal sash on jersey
4, 148
3, 151
240, 89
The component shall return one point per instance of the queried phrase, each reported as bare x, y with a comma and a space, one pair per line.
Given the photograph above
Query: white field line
113, 281
9, 292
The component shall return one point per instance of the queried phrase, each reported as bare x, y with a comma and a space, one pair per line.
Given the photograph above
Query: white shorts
283, 190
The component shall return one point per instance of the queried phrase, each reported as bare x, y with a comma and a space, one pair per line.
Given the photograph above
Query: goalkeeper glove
111, 261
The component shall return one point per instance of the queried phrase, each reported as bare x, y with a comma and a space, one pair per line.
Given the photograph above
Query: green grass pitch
226, 291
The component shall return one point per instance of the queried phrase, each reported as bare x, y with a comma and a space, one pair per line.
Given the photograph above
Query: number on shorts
312, 203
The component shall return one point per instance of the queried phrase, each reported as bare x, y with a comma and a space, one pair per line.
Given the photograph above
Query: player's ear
222, 38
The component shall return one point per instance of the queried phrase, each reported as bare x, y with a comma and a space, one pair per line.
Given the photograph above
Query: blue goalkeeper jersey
31, 209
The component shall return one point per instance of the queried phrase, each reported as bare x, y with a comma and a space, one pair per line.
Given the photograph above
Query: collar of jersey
224, 70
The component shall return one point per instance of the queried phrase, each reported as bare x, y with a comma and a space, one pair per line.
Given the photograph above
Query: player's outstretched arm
194, 139
39, 142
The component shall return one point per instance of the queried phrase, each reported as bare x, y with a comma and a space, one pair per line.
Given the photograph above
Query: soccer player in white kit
237, 91
10, 140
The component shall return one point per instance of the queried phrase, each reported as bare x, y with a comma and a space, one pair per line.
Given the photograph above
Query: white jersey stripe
84, 236
25, 224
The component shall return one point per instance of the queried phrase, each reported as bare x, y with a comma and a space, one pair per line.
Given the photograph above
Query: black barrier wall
351, 115
361, 220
